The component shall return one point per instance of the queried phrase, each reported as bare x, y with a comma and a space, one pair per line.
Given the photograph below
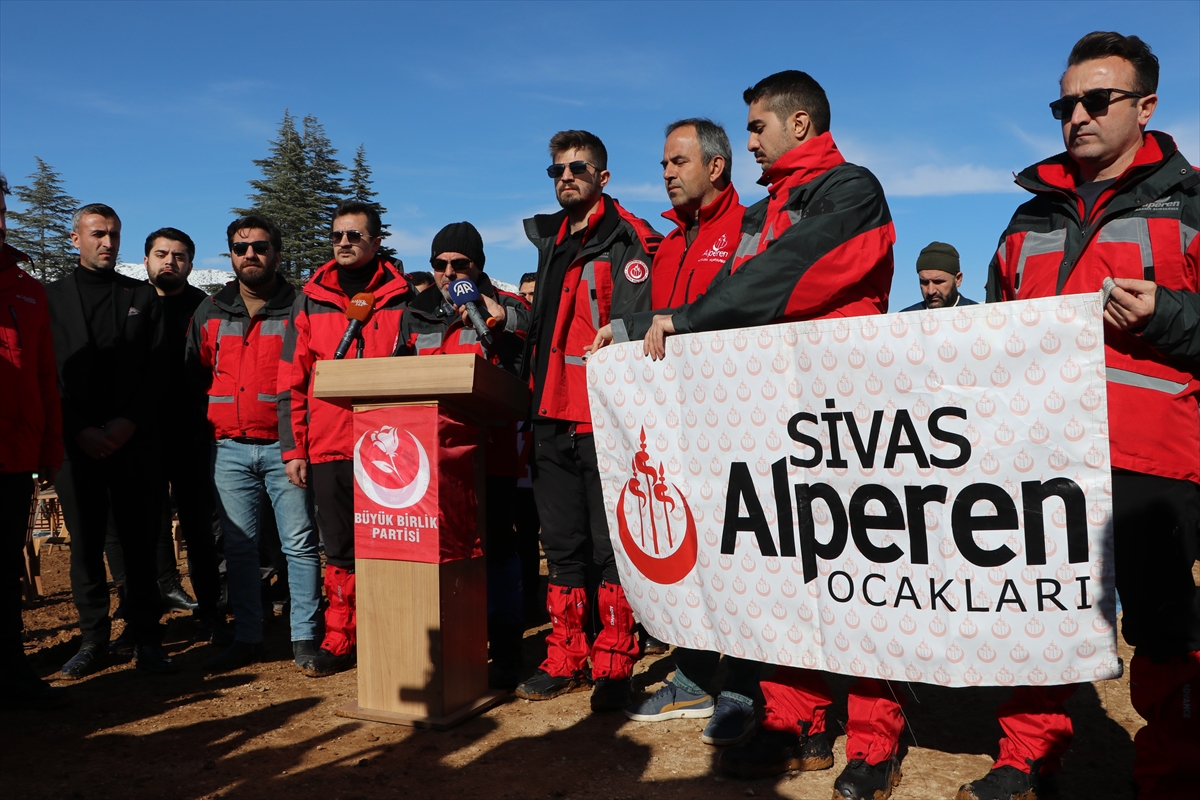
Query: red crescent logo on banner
649, 488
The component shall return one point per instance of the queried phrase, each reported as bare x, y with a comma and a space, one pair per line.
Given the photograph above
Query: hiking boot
153, 658
611, 694
863, 781
90, 658
671, 702
175, 597
1010, 783
652, 646
304, 652
325, 663
544, 686
236, 656
732, 723
776, 752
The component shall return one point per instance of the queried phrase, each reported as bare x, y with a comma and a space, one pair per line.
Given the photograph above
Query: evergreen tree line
302, 182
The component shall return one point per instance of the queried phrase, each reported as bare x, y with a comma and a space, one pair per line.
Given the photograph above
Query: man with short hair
527, 286
818, 246
420, 281
706, 214
232, 359
109, 346
940, 277
1122, 202
434, 325
593, 266
30, 441
317, 436
184, 447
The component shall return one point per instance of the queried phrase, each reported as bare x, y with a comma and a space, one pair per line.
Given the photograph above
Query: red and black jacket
608, 278
1143, 226
682, 272
319, 430
233, 359
30, 415
431, 326
819, 245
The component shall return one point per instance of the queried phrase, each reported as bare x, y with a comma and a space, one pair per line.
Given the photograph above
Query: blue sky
159, 108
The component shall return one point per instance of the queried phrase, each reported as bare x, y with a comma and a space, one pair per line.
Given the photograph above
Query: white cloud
908, 170
650, 192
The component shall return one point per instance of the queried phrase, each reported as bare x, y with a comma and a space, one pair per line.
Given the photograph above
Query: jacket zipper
16, 327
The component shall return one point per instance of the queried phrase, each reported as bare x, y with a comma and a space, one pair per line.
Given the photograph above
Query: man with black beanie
433, 325
317, 436
940, 277
109, 347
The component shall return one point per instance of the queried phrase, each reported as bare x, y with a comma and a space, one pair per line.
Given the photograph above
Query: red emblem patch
636, 271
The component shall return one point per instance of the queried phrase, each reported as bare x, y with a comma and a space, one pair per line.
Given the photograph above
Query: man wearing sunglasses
317, 436
593, 266
433, 325
1122, 203
232, 360
819, 245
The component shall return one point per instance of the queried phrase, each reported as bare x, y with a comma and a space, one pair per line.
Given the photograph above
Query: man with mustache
940, 278
232, 360
109, 343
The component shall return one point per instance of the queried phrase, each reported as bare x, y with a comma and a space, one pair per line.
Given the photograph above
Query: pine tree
360, 190
43, 229
323, 186
279, 195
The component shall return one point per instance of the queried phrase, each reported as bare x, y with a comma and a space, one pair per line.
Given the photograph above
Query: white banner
922, 496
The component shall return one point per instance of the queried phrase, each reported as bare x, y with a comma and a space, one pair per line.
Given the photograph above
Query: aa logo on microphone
390, 472
461, 289
661, 541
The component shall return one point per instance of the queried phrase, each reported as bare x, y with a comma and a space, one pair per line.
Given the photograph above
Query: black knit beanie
459, 237
939, 256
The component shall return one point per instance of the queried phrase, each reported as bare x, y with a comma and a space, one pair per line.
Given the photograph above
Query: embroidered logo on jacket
719, 250
636, 271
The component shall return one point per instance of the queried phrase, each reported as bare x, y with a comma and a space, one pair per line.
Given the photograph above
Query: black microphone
464, 293
358, 312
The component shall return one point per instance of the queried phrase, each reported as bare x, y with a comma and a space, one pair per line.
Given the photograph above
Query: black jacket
134, 391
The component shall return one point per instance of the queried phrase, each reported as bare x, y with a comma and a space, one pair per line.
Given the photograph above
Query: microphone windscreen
361, 306
463, 291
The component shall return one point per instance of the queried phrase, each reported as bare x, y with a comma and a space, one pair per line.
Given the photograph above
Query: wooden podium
422, 603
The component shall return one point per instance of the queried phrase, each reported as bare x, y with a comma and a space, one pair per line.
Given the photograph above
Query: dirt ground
267, 731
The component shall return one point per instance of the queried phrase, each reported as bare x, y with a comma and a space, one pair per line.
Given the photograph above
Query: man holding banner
830, 234
1122, 203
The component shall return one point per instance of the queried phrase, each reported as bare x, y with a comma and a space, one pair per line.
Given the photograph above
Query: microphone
464, 293
358, 312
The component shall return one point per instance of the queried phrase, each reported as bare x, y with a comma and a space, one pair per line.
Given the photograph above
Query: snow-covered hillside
203, 278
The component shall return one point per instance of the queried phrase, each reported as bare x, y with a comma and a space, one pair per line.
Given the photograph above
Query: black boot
863, 781
175, 597
1010, 783
776, 752
92, 656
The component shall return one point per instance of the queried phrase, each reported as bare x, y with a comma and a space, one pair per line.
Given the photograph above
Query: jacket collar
545, 230
388, 282
725, 201
802, 164
1060, 173
229, 299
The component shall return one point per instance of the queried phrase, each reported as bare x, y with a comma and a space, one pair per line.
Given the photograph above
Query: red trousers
798, 696
615, 649
1036, 727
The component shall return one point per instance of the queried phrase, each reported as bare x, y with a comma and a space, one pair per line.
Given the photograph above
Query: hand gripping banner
922, 496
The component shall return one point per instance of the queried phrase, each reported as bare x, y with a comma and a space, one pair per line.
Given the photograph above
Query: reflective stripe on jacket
234, 360
682, 272
1143, 226
321, 430
609, 277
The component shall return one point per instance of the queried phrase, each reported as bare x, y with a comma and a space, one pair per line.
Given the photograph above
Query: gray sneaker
731, 723
671, 702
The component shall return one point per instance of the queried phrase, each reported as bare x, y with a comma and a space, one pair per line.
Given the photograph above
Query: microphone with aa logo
358, 312
464, 293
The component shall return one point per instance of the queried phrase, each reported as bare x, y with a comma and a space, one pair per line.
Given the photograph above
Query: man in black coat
109, 348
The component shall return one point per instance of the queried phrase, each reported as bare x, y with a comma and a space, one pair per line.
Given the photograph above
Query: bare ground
267, 731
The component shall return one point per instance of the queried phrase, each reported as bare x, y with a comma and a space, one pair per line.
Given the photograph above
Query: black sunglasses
353, 237
260, 247
1093, 102
440, 264
556, 171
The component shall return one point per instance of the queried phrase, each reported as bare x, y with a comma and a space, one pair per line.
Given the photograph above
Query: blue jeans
241, 474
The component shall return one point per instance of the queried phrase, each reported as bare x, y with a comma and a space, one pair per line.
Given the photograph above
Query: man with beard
109, 348
940, 277
185, 449
818, 246
233, 356
433, 325
593, 266
318, 435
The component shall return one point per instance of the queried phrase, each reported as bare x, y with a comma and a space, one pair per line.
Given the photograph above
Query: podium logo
660, 544
389, 472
